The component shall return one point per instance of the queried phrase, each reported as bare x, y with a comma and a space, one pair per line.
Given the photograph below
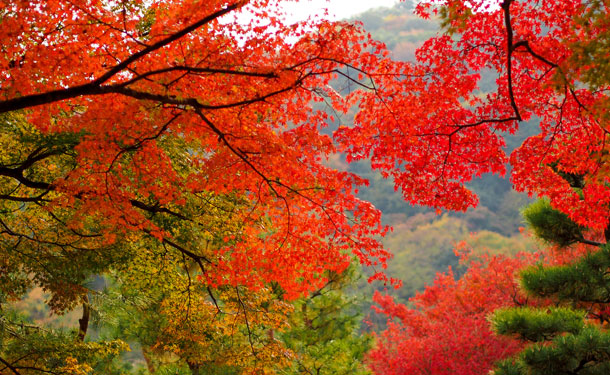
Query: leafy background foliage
252, 328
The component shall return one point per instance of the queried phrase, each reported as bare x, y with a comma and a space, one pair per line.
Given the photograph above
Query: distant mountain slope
422, 241
398, 28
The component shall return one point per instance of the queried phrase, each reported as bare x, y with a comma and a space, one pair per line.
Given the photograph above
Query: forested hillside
423, 240
204, 188
542, 69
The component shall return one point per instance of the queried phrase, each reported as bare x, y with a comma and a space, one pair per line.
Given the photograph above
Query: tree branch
510, 47
95, 87
191, 69
83, 323
162, 43
10, 367
525, 43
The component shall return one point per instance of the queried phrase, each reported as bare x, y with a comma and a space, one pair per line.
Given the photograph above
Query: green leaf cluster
566, 339
536, 324
586, 352
551, 225
324, 331
586, 280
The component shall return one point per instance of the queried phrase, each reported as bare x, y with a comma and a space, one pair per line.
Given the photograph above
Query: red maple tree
155, 109
447, 331
435, 129
168, 105
438, 130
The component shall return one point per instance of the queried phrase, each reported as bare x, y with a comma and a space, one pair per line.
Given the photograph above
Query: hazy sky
338, 9
299, 10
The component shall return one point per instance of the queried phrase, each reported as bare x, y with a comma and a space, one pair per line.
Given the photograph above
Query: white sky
293, 11
338, 9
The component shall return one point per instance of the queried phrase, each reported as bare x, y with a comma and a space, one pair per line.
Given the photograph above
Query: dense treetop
162, 109
548, 60
177, 151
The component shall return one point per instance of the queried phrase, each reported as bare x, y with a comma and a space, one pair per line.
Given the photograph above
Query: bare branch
95, 87
510, 48
83, 322
9, 366
191, 69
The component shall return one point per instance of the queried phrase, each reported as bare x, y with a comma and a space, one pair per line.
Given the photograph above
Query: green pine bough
570, 337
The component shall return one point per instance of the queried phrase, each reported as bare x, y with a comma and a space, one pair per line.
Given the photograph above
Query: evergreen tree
324, 331
571, 337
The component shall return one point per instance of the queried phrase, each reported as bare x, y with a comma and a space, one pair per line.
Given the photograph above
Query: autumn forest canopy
184, 188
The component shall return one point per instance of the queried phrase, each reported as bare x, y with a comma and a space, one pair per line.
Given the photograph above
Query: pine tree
571, 337
324, 330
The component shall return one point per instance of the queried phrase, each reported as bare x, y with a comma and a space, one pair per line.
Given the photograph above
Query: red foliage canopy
447, 331
434, 129
437, 129
171, 104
